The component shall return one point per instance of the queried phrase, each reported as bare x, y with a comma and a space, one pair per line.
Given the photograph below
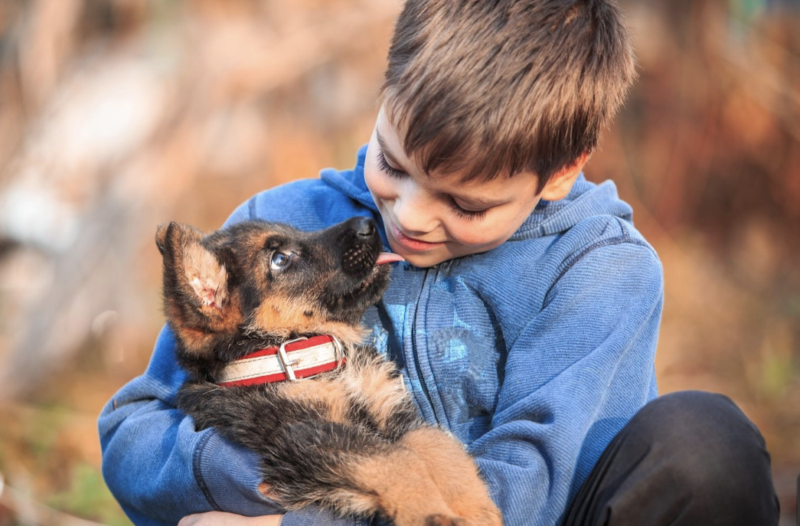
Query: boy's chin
422, 259
423, 262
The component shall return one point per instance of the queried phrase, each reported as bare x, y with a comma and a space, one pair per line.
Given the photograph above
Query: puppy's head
268, 281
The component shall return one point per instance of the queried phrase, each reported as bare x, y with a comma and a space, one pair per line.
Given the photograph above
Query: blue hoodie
534, 354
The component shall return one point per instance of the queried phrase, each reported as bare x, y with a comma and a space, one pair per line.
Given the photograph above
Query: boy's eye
467, 214
384, 166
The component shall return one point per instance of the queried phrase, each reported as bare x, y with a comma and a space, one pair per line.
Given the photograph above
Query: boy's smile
433, 218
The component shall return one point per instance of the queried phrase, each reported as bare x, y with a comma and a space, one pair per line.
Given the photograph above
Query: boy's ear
192, 273
561, 183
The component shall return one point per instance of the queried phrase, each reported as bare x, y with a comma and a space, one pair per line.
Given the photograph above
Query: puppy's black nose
364, 227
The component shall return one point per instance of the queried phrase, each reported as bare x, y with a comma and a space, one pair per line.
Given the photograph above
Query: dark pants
688, 458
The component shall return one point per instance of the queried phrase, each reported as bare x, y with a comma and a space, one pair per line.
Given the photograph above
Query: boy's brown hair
496, 87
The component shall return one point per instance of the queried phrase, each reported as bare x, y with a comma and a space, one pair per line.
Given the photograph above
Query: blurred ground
117, 115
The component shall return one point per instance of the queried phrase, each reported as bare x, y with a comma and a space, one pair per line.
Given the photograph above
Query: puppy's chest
366, 389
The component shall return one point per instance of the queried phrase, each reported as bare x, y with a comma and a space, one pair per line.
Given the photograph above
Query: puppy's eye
280, 260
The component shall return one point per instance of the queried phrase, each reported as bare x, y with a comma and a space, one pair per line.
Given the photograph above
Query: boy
526, 315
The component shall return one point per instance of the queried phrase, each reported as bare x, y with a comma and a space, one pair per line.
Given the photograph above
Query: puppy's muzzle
362, 245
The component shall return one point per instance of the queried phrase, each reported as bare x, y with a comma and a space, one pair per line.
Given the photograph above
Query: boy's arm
598, 327
156, 464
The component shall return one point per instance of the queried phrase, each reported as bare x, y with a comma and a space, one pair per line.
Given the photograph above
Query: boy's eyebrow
470, 200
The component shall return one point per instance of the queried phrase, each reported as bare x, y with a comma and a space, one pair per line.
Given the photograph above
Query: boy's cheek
479, 238
375, 183
495, 229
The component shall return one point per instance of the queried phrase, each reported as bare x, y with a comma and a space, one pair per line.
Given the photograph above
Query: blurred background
117, 115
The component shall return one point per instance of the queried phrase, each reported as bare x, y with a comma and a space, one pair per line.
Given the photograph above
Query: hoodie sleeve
154, 462
574, 376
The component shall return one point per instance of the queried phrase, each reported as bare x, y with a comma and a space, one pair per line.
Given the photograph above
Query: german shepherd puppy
349, 438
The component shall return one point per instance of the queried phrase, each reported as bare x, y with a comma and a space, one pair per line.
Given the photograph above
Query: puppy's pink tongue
388, 257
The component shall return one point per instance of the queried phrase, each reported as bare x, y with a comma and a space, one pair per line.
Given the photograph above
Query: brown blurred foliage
117, 115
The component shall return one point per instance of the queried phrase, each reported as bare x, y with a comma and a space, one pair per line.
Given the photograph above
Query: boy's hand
218, 518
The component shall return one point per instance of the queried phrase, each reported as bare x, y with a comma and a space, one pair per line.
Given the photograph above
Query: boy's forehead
389, 135
477, 191
390, 139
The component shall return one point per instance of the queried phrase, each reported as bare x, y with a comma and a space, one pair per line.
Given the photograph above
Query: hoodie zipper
415, 347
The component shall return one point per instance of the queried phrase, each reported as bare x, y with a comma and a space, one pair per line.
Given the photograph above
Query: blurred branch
764, 37
283, 62
754, 76
46, 46
747, 48
27, 412
32, 513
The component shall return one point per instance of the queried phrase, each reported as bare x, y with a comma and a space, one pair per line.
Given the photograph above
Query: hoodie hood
351, 182
586, 199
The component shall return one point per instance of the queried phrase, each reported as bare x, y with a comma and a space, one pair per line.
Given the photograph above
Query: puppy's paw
443, 520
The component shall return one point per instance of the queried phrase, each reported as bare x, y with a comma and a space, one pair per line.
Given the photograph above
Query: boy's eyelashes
385, 167
463, 213
467, 214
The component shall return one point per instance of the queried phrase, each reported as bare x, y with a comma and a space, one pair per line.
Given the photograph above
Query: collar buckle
288, 365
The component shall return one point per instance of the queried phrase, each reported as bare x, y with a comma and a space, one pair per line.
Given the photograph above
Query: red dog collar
293, 360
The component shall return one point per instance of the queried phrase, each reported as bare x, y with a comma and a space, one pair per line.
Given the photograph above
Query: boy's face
430, 219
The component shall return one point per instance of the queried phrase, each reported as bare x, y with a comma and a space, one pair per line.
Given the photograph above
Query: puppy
266, 320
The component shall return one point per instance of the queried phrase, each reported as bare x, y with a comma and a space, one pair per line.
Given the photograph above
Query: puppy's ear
161, 236
194, 279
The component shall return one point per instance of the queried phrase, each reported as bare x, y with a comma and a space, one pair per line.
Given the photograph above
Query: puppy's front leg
404, 490
455, 474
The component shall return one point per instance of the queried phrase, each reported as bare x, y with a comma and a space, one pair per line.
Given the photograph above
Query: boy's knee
709, 449
707, 420
705, 435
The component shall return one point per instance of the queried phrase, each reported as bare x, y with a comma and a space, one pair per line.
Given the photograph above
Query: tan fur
283, 316
447, 462
403, 487
373, 382
255, 243
206, 276
328, 392
196, 342
353, 503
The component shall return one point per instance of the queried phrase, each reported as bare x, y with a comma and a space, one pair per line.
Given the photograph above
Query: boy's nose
413, 216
